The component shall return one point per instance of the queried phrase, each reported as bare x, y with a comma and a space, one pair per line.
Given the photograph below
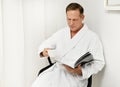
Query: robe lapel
71, 43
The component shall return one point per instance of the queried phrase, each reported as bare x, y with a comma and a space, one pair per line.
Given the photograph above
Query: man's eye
75, 20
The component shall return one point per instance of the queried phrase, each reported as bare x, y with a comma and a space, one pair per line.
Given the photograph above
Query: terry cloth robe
67, 51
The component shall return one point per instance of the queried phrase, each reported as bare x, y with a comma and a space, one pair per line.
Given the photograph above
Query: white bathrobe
67, 51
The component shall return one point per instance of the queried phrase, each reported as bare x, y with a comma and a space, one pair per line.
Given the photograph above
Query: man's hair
75, 6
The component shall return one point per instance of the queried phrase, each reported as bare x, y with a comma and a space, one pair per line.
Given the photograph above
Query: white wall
26, 23
33, 23
1, 46
13, 44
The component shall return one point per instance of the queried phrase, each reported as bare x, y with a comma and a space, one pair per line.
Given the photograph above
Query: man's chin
72, 29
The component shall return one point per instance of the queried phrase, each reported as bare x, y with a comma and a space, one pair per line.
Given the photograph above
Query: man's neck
73, 33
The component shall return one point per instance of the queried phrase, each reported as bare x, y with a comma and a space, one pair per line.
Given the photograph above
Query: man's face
74, 20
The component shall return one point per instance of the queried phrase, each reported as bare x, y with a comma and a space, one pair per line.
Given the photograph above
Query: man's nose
71, 22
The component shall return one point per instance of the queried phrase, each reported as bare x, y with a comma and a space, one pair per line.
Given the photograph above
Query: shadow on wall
97, 79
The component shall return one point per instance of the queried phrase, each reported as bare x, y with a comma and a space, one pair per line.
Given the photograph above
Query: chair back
89, 82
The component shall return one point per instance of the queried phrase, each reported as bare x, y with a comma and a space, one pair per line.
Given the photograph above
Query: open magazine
75, 61
86, 58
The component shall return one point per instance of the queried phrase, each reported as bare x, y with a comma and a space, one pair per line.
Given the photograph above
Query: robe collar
71, 43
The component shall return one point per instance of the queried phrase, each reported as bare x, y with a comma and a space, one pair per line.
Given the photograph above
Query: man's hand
44, 53
73, 70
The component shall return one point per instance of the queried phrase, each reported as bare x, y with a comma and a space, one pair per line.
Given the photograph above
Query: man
69, 44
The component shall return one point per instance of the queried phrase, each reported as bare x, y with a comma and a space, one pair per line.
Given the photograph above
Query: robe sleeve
49, 43
98, 63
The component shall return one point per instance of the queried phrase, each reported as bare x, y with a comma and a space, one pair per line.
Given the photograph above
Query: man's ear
82, 16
